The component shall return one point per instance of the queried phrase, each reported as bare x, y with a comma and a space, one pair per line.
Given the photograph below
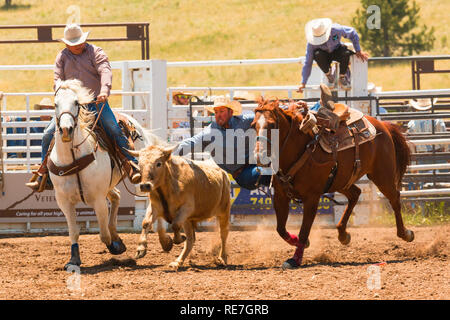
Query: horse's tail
402, 151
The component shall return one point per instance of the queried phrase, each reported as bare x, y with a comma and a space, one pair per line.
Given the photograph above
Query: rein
287, 178
78, 164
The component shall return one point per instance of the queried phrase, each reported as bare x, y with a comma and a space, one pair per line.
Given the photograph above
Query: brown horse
384, 159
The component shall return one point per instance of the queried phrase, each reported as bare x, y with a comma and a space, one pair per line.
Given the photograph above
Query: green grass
431, 213
187, 30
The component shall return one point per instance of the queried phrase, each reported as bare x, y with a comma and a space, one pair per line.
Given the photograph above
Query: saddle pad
355, 115
366, 132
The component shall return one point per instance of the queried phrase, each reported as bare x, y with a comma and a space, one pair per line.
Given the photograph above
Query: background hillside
207, 30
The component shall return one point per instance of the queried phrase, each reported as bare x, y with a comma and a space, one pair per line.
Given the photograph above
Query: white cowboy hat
422, 104
222, 101
318, 31
73, 35
45, 102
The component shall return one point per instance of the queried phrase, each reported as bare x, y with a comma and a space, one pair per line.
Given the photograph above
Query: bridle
74, 117
277, 116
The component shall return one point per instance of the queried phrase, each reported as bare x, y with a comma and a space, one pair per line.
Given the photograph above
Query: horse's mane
274, 106
84, 96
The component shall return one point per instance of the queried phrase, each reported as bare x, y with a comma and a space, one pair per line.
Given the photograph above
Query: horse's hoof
140, 253
221, 261
117, 247
167, 245
72, 266
181, 240
174, 265
409, 236
290, 264
307, 243
347, 239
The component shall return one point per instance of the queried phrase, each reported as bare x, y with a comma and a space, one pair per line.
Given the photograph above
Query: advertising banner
44, 205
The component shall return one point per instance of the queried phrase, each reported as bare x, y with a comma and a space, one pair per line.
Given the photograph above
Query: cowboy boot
133, 171
326, 97
40, 180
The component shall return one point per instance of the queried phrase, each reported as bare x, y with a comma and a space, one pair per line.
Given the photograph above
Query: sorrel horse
384, 159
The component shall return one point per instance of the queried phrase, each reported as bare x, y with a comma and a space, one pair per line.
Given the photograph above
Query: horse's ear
305, 108
57, 85
260, 100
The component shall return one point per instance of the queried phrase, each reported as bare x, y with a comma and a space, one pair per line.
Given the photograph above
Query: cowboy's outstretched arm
307, 66
351, 34
199, 141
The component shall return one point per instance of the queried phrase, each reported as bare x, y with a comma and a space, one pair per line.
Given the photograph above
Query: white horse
97, 180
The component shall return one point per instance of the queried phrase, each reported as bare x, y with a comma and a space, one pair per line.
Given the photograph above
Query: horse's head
70, 95
273, 126
266, 125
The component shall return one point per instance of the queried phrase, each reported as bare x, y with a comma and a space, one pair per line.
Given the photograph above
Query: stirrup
39, 183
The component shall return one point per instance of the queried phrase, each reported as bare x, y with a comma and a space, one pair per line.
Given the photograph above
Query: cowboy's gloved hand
101, 98
362, 55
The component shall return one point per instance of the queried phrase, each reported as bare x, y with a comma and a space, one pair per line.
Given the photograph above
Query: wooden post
359, 79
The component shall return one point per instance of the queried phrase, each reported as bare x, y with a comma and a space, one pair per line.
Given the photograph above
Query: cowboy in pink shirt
89, 64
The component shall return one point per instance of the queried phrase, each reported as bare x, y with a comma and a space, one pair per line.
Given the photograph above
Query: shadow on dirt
114, 263
230, 267
354, 264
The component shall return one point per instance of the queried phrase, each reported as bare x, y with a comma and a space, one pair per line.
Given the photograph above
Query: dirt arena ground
31, 268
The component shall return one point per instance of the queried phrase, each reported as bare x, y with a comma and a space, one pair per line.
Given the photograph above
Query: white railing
141, 115
242, 62
412, 92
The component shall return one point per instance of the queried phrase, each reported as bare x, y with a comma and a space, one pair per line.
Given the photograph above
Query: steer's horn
134, 153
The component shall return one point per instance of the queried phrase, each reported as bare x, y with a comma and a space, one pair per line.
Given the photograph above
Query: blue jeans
249, 176
107, 121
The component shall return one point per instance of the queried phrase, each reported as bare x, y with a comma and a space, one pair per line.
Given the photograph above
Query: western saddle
338, 127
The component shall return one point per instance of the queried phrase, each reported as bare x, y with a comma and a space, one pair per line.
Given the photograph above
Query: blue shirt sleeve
188, 145
349, 33
247, 119
307, 66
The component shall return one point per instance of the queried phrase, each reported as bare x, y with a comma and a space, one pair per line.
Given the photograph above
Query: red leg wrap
291, 239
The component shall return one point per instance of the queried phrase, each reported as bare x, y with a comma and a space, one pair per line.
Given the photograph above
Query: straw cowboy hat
422, 104
318, 31
73, 35
45, 103
226, 102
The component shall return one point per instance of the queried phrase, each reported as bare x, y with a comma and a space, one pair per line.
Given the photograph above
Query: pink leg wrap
291, 239
298, 255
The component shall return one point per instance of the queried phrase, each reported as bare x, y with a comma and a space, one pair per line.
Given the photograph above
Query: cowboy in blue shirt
324, 46
228, 124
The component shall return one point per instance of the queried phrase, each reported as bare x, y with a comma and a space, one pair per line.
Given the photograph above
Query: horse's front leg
74, 233
310, 205
101, 211
281, 206
114, 199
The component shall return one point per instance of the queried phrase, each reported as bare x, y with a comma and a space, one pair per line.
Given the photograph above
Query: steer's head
153, 166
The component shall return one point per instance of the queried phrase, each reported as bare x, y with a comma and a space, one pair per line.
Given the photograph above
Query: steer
182, 192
